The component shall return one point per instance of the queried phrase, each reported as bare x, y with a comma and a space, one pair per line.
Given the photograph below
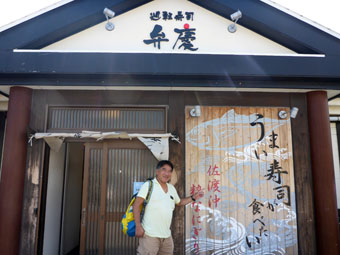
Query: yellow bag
128, 224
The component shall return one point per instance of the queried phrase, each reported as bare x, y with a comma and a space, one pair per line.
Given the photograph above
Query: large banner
242, 158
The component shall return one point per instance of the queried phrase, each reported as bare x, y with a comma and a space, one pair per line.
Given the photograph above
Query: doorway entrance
63, 200
110, 170
86, 201
89, 188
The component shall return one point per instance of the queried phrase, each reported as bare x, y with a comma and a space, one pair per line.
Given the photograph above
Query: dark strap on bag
146, 200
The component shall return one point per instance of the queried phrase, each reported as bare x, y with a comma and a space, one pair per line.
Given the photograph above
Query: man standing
154, 230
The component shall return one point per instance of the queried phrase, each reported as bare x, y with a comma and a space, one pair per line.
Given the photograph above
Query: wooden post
176, 155
323, 174
13, 169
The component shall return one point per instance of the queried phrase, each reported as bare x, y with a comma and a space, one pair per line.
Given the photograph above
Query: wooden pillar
176, 155
13, 169
327, 230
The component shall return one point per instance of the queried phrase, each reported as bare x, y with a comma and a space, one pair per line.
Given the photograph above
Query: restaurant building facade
234, 93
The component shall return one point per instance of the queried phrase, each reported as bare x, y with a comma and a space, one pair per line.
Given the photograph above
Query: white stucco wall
334, 110
131, 28
334, 107
54, 202
72, 199
336, 161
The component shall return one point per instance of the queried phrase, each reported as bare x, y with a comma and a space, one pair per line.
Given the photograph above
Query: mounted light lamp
234, 17
109, 14
293, 112
196, 111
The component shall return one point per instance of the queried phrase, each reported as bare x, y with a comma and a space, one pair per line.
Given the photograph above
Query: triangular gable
207, 33
258, 17
315, 67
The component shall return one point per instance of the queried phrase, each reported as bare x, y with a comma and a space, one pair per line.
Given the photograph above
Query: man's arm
187, 200
136, 214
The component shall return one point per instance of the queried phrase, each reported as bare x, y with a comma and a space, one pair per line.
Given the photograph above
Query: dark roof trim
167, 69
4, 94
334, 97
62, 22
179, 81
276, 25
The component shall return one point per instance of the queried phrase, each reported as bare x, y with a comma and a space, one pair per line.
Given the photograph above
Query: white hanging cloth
158, 144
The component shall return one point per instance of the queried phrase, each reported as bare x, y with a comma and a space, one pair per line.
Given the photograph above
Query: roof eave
276, 25
114, 68
62, 22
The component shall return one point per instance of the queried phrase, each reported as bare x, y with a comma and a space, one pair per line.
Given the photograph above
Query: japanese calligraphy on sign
166, 15
242, 158
185, 36
156, 37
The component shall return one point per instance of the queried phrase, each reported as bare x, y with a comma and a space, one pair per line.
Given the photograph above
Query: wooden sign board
242, 158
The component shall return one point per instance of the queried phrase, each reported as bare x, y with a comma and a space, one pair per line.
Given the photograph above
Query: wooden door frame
84, 212
105, 145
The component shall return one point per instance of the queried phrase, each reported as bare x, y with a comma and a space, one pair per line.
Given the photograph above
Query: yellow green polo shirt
158, 212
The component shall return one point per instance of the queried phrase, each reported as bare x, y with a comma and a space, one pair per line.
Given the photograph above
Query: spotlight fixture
109, 14
293, 112
234, 17
196, 111
283, 114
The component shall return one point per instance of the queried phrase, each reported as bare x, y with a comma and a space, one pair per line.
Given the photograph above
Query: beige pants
155, 246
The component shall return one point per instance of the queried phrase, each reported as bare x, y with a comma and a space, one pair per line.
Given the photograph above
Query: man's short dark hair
165, 162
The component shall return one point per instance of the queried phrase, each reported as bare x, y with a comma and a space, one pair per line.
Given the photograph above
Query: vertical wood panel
126, 167
242, 158
327, 229
84, 202
110, 171
175, 122
103, 197
32, 221
190, 154
91, 202
303, 177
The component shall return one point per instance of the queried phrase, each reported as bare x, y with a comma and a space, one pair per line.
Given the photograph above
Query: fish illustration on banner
229, 235
244, 163
229, 125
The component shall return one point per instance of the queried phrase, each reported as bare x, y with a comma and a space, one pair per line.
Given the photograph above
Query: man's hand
139, 231
136, 215
198, 194
187, 200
